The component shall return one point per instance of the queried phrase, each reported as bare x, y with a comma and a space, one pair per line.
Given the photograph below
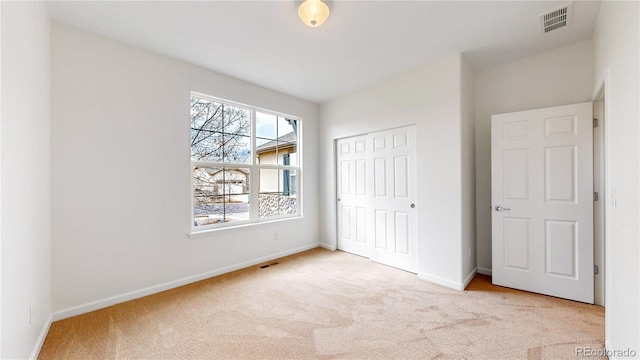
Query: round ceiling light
313, 12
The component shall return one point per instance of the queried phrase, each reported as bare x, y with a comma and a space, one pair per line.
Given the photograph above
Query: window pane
276, 136
220, 195
237, 135
266, 128
219, 132
277, 196
287, 139
290, 187
266, 138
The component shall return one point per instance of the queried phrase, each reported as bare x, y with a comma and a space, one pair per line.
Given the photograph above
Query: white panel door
393, 198
353, 195
376, 183
542, 196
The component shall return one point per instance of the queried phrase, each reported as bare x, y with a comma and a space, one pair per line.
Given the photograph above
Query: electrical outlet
31, 310
276, 236
469, 252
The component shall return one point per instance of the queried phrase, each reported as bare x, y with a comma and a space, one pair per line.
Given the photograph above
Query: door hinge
596, 269
595, 123
596, 196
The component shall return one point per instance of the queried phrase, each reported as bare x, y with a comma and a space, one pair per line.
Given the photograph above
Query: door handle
500, 208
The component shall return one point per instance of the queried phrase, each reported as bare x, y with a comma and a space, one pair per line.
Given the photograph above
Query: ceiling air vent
555, 19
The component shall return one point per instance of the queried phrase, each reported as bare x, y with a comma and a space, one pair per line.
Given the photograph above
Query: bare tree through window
219, 132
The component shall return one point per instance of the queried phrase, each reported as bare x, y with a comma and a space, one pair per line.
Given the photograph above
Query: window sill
207, 232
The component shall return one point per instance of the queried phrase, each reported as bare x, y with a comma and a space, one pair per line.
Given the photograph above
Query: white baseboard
43, 335
110, 301
449, 283
441, 281
469, 277
328, 247
484, 271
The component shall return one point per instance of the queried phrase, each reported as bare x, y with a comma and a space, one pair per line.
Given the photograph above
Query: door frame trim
600, 207
601, 92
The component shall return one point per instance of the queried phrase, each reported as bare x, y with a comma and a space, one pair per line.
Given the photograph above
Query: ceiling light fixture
313, 12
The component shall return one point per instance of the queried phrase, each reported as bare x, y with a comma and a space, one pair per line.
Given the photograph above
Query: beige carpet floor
324, 305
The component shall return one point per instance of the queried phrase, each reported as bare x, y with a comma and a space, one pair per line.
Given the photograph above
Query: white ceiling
361, 43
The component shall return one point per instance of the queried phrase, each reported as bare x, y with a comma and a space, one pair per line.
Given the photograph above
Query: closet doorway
376, 196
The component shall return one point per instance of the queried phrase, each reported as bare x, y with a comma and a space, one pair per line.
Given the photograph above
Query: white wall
559, 77
428, 97
0, 181
121, 174
468, 153
26, 171
616, 46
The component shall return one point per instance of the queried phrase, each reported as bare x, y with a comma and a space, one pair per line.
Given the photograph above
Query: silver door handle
500, 208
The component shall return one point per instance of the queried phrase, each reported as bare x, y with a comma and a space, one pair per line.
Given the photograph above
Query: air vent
268, 265
555, 19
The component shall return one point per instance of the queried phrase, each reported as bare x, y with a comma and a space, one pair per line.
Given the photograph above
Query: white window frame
254, 173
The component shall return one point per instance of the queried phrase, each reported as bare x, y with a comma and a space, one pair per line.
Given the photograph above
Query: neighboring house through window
245, 163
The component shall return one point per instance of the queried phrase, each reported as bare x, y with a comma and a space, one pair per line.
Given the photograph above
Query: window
245, 164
